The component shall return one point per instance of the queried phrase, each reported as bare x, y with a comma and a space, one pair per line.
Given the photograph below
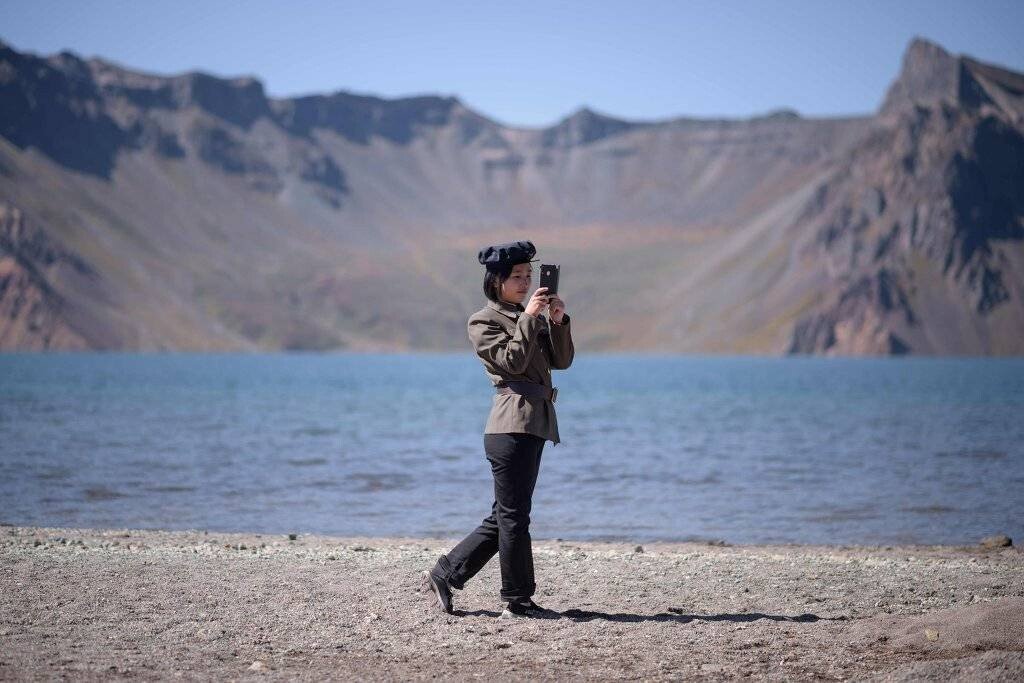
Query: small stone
257, 666
638, 549
998, 541
292, 537
931, 634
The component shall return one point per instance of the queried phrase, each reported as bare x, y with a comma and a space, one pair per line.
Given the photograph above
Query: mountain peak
928, 75
239, 100
585, 113
922, 48
582, 112
783, 114
583, 126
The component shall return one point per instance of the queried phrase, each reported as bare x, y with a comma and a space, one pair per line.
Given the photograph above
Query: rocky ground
151, 604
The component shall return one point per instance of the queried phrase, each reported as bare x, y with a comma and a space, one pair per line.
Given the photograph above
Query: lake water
743, 449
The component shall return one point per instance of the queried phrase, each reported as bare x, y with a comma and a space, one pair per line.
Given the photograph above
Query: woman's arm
562, 350
492, 343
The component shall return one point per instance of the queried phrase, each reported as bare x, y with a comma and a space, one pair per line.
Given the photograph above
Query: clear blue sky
531, 63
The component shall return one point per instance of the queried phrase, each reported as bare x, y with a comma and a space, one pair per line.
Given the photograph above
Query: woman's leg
470, 555
515, 462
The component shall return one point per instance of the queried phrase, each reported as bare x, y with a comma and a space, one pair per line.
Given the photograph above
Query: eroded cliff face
33, 314
922, 227
194, 212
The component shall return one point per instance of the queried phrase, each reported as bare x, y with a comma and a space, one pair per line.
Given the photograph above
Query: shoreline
146, 603
453, 537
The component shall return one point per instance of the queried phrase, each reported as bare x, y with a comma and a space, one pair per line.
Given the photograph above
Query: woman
518, 347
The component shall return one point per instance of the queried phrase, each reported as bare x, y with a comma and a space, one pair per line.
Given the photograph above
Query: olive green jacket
516, 346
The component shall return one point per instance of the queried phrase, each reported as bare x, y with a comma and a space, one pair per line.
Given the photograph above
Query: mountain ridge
251, 85
207, 215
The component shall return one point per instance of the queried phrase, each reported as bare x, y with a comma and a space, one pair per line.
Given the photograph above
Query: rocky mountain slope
197, 213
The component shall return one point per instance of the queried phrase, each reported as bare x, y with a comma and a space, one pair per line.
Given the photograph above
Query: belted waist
528, 389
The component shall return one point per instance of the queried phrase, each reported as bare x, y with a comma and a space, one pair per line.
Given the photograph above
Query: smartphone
549, 277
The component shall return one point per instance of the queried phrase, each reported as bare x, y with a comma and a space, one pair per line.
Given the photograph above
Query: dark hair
493, 279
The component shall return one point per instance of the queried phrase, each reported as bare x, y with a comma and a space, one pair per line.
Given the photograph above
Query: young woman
518, 346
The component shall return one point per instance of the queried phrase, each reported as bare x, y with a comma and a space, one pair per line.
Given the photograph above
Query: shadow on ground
674, 614
678, 615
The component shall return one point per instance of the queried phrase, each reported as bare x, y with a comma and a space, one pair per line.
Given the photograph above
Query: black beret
507, 254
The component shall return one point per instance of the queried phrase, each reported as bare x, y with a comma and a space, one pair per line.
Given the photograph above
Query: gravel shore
156, 604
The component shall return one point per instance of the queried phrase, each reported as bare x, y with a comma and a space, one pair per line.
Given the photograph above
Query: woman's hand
538, 302
557, 309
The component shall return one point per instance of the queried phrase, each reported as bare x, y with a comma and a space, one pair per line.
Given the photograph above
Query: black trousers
515, 460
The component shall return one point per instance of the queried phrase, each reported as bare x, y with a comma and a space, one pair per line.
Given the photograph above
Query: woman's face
514, 289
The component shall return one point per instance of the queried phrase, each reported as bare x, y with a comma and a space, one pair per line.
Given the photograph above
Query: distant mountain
194, 212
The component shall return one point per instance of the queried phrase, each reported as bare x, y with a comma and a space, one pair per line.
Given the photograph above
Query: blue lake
744, 449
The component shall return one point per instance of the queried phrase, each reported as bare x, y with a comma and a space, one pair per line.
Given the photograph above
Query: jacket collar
504, 307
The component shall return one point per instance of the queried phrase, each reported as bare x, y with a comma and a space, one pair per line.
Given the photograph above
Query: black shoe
440, 589
516, 609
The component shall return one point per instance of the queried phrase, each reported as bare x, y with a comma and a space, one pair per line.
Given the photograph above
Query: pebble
998, 541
